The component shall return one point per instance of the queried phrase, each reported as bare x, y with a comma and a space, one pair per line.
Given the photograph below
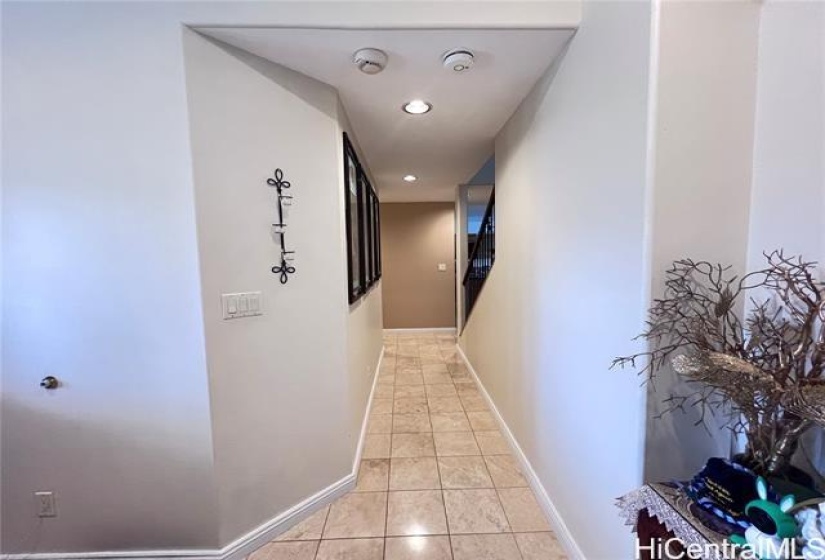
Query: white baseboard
256, 538
187, 554
245, 544
356, 465
441, 330
566, 539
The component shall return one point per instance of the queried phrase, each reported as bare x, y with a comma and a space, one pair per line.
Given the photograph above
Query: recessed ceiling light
417, 107
410, 178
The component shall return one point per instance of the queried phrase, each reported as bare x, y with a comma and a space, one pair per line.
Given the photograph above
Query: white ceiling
444, 147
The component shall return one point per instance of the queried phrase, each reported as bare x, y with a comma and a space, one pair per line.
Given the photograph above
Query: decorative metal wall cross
284, 202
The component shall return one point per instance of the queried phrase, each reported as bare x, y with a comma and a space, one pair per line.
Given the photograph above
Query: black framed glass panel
354, 221
376, 226
363, 226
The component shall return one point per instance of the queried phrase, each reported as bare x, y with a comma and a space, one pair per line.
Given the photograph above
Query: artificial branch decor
766, 373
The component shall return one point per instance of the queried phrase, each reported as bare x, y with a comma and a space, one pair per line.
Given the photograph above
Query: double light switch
246, 304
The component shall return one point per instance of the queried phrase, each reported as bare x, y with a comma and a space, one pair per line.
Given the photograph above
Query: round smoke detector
458, 60
370, 61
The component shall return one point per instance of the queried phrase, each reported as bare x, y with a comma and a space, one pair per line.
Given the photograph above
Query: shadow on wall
90, 508
308, 89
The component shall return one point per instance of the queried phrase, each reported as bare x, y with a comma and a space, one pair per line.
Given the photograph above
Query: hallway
437, 479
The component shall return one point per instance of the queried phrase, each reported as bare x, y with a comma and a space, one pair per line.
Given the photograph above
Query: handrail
482, 257
487, 213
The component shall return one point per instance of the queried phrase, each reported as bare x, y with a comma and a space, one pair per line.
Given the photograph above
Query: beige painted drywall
365, 320
566, 292
415, 238
701, 186
100, 270
267, 371
788, 198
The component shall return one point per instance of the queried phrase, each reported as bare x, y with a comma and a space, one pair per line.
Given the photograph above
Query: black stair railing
481, 258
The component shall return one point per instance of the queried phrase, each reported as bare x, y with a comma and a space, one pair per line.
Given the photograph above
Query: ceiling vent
370, 61
458, 60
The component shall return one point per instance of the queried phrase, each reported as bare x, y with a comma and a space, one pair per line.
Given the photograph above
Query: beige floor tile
467, 390
441, 390
449, 422
357, 515
474, 404
475, 511
386, 379
373, 475
406, 361
413, 445
435, 368
382, 406
414, 513
523, 510
410, 405
505, 471
455, 443
444, 404
482, 421
383, 392
463, 473
540, 546
431, 359
492, 443
414, 473
376, 446
457, 367
310, 529
485, 547
303, 550
418, 548
379, 424
408, 378
410, 391
350, 549
411, 423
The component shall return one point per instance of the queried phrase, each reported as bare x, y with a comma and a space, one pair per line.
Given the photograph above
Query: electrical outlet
46, 505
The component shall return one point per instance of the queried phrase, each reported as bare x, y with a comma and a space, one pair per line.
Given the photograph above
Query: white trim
360, 448
566, 539
445, 330
251, 541
239, 548
153, 554
256, 538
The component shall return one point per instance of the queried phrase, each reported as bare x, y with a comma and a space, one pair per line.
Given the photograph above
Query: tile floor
437, 480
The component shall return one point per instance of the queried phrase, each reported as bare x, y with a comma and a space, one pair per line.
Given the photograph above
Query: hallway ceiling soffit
444, 147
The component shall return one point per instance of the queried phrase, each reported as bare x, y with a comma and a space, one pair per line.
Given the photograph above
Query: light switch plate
442, 267
243, 304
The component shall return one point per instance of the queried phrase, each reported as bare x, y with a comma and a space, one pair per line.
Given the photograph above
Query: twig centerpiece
765, 372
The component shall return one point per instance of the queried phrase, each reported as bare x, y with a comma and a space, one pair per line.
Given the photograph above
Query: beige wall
415, 238
565, 295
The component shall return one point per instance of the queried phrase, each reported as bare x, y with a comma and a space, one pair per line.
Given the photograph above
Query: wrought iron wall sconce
284, 204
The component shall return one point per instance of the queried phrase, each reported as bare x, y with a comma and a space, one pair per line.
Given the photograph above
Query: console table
662, 511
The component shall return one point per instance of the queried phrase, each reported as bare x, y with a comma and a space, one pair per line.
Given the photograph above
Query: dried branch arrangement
765, 373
